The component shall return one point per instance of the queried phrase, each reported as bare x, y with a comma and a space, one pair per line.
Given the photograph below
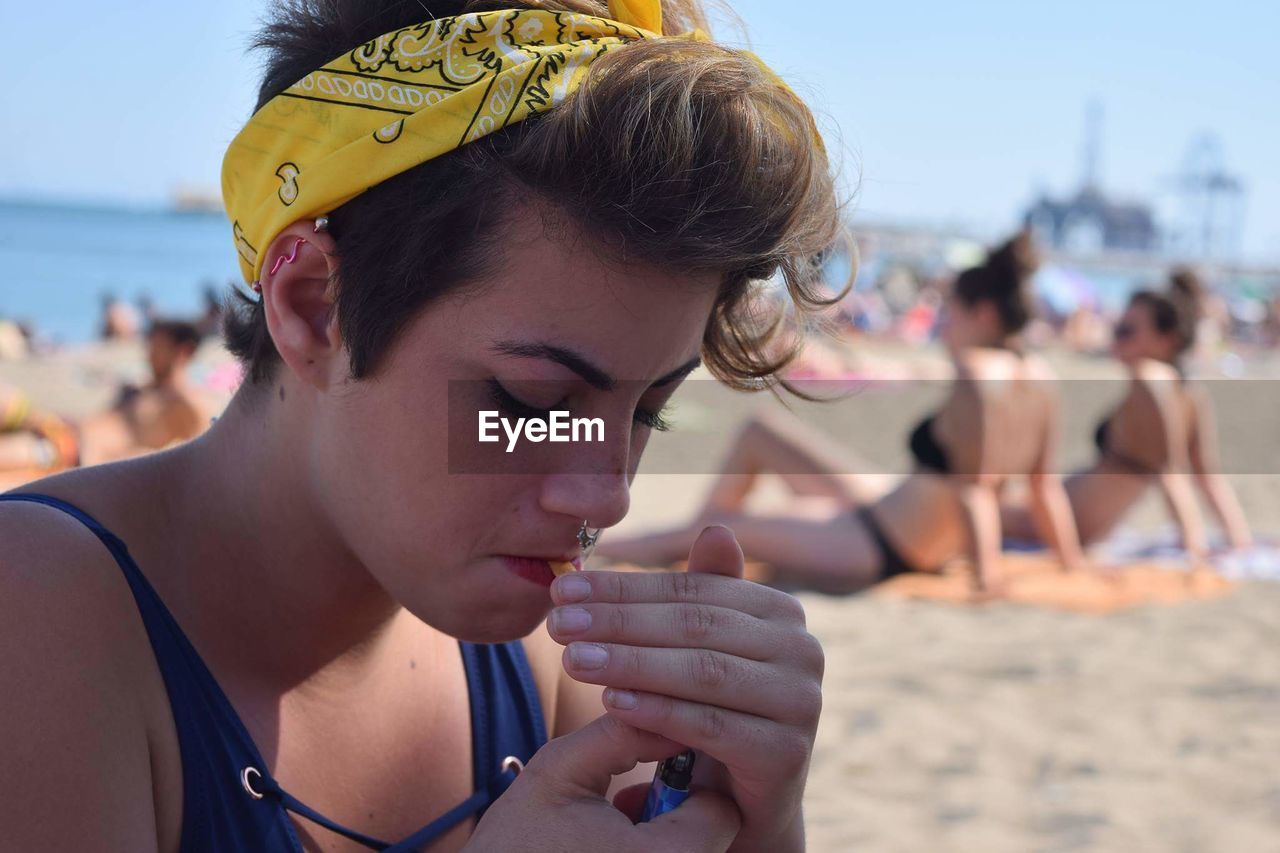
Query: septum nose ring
587, 538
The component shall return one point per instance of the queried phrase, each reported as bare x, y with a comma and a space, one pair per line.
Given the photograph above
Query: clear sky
948, 112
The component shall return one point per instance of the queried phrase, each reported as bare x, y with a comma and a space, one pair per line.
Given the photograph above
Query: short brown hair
684, 155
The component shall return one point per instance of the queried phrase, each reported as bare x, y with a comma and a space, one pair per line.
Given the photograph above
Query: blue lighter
670, 785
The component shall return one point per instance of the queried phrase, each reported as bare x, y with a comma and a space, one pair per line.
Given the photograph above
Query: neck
273, 581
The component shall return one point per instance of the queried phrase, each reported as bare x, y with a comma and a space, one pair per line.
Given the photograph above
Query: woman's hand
558, 802
709, 661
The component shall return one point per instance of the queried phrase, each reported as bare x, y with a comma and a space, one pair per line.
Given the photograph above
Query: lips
535, 569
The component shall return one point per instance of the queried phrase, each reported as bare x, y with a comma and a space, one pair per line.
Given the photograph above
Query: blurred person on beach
163, 412
999, 421
327, 637
119, 319
146, 308
14, 343
1161, 434
209, 322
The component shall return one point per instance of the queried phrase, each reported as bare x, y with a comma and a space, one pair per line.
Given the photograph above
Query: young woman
1160, 432
999, 421
164, 411
444, 210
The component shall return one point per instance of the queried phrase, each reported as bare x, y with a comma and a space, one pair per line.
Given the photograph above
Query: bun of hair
1187, 289
1177, 310
1015, 260
1002, 280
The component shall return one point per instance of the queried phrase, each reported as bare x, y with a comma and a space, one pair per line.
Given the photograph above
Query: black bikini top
1128, 463
925, 448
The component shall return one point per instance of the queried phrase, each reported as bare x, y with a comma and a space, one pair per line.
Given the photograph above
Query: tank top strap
217, 751
137, 583
506, 715
223, 772
180, 663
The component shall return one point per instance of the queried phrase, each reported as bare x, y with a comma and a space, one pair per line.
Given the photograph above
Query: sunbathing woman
1162, 433
164, 411
444, 209
999, 421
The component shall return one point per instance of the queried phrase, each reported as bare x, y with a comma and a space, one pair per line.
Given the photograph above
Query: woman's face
457, 530
1136, 337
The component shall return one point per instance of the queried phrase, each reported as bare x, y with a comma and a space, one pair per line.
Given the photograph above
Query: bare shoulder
994, 372
1037, 368
1155, 388
986, 363
1154, 375
71, 709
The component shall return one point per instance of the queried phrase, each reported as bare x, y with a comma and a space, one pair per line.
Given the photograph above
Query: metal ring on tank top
248, 786
512, 763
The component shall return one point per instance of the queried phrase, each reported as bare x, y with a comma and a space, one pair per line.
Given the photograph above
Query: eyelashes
653, 420
511, 405
507, 401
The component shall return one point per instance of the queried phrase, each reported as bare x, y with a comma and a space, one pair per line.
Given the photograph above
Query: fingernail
623, 700
588, 655
570, 620
573, 588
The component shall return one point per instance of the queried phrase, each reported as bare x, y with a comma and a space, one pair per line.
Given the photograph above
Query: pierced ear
298, 298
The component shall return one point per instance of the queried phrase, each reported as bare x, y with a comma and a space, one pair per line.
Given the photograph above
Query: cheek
382, 474
421, 533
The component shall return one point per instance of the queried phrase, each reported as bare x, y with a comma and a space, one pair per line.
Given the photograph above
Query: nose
598, 493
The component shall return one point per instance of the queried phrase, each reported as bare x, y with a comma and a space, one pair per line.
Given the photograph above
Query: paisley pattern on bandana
402, 99
406, 97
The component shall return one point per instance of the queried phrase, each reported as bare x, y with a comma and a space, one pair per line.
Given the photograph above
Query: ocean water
57, 261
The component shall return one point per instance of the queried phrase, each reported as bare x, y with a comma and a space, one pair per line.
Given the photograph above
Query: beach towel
1037, 579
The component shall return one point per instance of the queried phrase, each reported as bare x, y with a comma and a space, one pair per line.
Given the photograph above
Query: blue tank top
232, 804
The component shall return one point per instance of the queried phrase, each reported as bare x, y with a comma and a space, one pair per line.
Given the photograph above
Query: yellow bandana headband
404, 98
407, 97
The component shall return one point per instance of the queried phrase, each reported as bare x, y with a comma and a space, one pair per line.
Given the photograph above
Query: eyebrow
590, 373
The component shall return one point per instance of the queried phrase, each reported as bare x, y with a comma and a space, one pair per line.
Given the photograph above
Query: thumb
591, 756
711, 818
716, 552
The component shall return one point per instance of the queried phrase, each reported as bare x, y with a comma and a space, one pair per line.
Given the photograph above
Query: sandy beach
1000, 728
1013, 728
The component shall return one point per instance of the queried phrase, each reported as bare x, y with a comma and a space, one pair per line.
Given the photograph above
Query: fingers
734, 738
705, 588
716, 552
701, 675
670, 625
709, 817
587, 759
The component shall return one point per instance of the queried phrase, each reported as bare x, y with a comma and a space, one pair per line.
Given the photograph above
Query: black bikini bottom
891, 561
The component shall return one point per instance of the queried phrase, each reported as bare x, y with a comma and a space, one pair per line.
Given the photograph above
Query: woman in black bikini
999, 421
1162, 433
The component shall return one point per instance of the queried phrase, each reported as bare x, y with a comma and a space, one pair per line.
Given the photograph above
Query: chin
491, 620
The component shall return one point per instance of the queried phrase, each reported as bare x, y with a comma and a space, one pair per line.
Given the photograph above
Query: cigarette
561, 568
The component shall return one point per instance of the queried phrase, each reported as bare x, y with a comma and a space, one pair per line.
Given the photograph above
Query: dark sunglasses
1124, 331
